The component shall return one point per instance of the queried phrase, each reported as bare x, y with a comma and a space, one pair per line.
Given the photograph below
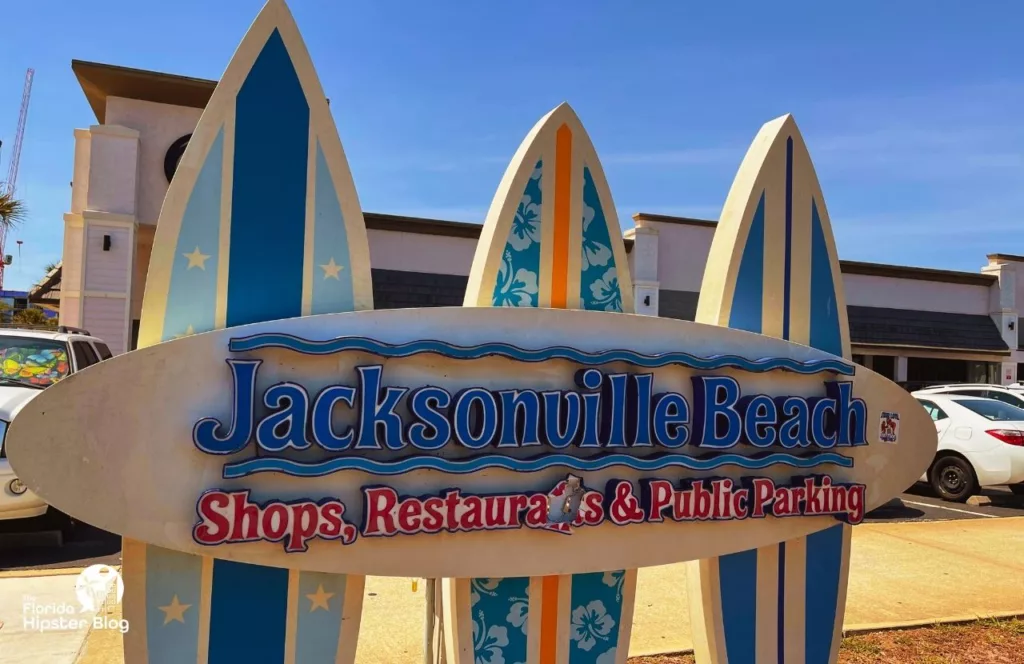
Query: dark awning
938, 330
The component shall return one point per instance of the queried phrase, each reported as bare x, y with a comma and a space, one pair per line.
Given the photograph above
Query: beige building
914, 325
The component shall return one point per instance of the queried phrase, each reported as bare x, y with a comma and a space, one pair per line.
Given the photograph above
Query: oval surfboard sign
543, 441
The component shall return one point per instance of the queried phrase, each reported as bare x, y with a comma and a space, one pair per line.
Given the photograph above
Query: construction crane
12, 170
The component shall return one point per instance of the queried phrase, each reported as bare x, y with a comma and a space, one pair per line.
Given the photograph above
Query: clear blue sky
913, 110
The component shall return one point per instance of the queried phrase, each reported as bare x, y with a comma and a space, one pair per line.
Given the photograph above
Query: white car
30, 361
1010, 394
981, 443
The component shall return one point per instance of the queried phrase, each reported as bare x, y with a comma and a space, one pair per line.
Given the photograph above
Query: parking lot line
951, 509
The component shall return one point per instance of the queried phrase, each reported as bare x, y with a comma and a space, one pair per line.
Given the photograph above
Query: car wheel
953, 479
1017, 489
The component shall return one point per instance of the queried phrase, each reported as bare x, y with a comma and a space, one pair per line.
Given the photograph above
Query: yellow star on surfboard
320, 599
188, 332
332, 269
196, 259
175, 611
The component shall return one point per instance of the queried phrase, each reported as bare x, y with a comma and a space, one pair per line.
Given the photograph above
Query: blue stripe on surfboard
265, 272
268, 205
170, 575
192, 294
825, 332
745, 312
247, 624
738, 584
317, 629
599, 280
823, 570
332, 287
595, 602
499, 608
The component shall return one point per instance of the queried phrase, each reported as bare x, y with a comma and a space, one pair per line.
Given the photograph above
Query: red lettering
275, 522
682, 509
593, 503
660, 498
855, 503
330, 513
451, 501
764, 493
519, 503
213, 529
409, 515
380, 506
814, 505
537, 517
495, 515
473, 518
798, 498
434, 518
304, 519
739, 503
783, 502
702, 501
721, 490
247, 518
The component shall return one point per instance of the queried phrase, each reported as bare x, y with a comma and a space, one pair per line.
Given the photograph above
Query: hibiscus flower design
518, 612
595, 254
605, 291
614, 580
590, 624
482, 587
488, 642
516, 287
525, 225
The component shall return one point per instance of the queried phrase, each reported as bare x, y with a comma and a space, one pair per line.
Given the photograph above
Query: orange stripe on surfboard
560, 245
549, 619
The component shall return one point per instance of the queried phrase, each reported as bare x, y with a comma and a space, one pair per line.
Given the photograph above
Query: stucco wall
158, 125
415, 252
682, 254
872, 291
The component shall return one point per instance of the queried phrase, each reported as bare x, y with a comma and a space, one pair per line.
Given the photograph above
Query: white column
1003, 309
644, 260
901, 368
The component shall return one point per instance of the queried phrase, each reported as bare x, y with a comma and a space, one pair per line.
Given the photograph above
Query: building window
884, 365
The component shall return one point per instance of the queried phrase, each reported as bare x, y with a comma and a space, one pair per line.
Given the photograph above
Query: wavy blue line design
383, 349
459, 467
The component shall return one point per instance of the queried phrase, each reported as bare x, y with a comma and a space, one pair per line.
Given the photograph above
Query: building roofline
668, 219
1006, 257
100, 81
918, 273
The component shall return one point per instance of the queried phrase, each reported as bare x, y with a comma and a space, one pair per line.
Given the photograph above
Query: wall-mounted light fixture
106, 243
647, 300
1011, 324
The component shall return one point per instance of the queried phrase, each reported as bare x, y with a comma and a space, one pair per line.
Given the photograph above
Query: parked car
1007, 393
31, 361
981, 443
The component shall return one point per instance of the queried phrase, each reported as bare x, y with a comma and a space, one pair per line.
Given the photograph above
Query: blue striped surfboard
261, 222
551, 239
773, 270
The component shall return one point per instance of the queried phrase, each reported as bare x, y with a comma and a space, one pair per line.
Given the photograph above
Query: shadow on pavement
36, 549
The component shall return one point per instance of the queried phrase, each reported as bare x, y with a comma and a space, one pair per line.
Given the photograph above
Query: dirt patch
982, 642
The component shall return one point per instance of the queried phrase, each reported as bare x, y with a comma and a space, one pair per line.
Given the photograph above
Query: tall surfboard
261, 222
551, 239
773, 269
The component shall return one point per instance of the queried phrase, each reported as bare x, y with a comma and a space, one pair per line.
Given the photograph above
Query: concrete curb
60, 571
1010, 500
865, 628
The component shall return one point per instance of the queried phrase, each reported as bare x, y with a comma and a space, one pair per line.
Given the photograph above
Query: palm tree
12, 211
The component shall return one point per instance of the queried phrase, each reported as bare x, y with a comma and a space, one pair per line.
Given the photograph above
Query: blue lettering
851, 413
759, 416
512, 403
285, 428
642, 411
823, 430
716, 422
433, 430
560, 429
378, 412
613, 416
462, 418
204, 433
670, 416
793, 431
323, 408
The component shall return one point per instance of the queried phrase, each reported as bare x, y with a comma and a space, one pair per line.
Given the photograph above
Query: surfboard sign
340, 442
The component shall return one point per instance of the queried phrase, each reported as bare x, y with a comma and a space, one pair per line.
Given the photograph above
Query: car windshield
32, 362
991, 409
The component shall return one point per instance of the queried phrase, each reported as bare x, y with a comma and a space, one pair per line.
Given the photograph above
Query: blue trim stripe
192, 294
171, 574
332, 287
338, 464
787, 284
825, 331
738, 583
248, 613
268, 207
318, 630
384, 349
745, 312
823, 570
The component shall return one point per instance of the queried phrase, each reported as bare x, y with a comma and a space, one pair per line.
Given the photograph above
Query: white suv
1010, 394
30, 361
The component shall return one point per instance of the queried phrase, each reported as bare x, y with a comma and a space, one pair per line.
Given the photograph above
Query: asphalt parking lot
89, 546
